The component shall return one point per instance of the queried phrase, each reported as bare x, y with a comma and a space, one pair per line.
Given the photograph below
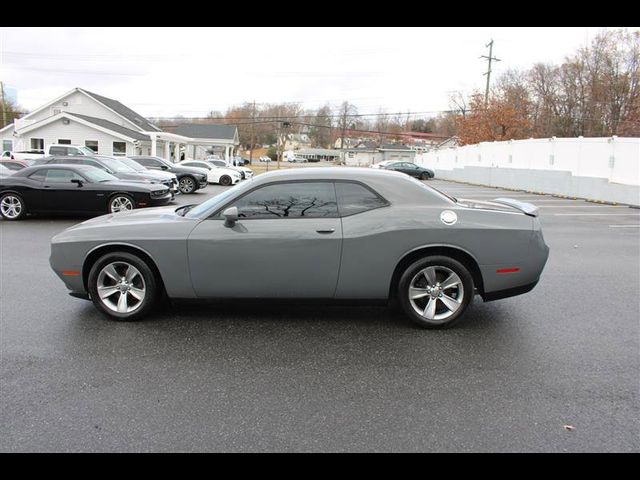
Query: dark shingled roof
111, 126
125, 111
394, 146
195, 130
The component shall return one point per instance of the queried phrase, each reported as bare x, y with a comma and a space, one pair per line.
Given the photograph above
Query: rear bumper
509, 292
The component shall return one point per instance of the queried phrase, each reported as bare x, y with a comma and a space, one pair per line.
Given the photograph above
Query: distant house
394, 151
367, 154
296, 141
319, 154
81, 117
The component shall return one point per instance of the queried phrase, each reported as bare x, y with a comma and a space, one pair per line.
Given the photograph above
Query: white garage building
108, 127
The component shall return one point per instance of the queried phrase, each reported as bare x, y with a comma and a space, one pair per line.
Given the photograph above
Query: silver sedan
324, 233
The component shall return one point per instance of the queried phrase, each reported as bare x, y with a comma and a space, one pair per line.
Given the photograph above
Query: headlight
160, 193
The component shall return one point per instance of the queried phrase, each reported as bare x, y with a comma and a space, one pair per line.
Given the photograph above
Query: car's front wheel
122, 286
435, 291
12, 206
187, 185
120, 203
225, 180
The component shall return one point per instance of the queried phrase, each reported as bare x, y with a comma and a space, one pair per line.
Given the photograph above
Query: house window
92, 144
7, 145
37, 144
119, 148
64, 141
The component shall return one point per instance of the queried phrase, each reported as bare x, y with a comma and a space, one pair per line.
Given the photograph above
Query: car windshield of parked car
117, 165
132, 164
96, 175
213, 203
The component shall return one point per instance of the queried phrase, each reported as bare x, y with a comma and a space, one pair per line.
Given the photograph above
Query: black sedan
117, 168
190, 179
410, 169
74, 189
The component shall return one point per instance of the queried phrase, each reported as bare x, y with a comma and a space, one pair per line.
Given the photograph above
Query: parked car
222, 175
74, 189
238, 161
115, 167
410, 169
4, 171
264, 158
190, 179
243, 171
16, 164
159, 173
296, 160
55, 149
329, 233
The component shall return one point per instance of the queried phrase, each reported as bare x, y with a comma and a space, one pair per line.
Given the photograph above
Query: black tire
187, 184
119, 199
442, 266
12, 206
150, 286
225, 180
424, 176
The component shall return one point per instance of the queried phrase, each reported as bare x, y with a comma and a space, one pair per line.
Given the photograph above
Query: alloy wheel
121, 287
187, 185
436, 293
11, 206
120, 204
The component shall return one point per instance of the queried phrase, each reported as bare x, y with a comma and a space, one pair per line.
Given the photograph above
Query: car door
285, 244
61, 194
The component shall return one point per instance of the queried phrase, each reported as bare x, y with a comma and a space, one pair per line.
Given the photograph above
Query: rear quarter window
355, 198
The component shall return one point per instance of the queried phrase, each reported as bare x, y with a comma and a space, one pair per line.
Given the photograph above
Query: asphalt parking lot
290, 377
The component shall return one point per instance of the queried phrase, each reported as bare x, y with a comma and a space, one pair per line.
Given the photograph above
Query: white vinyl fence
605, 169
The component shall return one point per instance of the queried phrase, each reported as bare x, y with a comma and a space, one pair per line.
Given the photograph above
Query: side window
354, 198
149, 162
290, 200
61, 176
38, 175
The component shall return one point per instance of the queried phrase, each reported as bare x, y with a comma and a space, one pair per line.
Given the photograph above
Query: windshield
217, 201
133, 164
95, 175
116, 165
86, 151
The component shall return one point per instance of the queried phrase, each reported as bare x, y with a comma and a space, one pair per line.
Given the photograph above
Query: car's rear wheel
434, 292
225, 180
121, 203
122, 286
12, 206
187, 185
424, 176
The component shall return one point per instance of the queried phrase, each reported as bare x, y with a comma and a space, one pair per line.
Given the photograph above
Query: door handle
325, 231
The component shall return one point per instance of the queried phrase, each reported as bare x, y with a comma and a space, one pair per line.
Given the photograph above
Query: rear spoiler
526, 208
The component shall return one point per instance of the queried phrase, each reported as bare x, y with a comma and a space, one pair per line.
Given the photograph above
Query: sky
191, 71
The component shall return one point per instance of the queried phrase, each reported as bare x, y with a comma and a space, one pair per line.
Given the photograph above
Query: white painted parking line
624, 225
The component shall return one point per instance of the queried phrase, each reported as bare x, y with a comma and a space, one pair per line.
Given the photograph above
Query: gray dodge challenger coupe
324, 233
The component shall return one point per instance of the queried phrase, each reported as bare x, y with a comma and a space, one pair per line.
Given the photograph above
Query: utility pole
253, 123
4, 106
488, 73
344, 125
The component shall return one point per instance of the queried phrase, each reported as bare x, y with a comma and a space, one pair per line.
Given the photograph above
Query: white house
80, 117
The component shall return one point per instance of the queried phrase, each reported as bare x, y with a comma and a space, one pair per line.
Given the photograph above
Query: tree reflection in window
290, 200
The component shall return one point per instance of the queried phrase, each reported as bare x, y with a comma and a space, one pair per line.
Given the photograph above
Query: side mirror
77, 180
230, 216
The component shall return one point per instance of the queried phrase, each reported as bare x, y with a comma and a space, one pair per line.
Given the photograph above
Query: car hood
151, 215
182, 169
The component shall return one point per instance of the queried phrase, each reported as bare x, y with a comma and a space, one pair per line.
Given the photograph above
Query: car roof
56, 166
